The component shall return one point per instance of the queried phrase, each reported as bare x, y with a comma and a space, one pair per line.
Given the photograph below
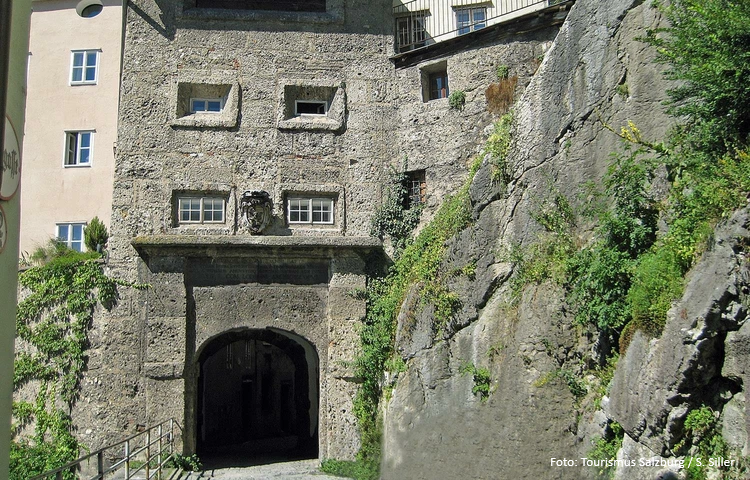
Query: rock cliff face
596, 73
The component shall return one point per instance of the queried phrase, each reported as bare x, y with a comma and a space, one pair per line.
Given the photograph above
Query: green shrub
482, 380
503, 71
457, 99
95, 235
189, 463
706, 49
605, 449
497, 147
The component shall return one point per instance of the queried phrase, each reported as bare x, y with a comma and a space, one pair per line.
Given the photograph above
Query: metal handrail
436, 19
165, 441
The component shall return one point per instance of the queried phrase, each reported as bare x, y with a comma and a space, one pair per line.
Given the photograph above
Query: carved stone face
255, 210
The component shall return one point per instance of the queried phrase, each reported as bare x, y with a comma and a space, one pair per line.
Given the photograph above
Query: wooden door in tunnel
257, 399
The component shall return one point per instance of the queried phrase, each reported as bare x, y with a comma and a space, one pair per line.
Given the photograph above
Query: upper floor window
310, 210
84, 67
278, 5
79, 148
411, 32
206, 105
470, 19
195, 209
71, 234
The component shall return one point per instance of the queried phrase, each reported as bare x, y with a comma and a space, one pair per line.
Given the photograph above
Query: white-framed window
206, 105
79, 148
195, 209
71, 234
470, 19
315, 211
84, 67
310, 107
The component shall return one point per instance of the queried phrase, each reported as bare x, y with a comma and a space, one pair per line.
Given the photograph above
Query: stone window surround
334, 14
225, 227
278, 192
426, 72
297, 190
206, 204
335, 118
201, 84
310, 205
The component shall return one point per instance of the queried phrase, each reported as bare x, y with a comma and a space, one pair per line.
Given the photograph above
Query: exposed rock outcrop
435, 427
700, 359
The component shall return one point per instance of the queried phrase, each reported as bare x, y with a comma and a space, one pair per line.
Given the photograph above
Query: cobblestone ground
297, 470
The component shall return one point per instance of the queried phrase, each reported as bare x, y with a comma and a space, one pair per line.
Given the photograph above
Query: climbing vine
52, 325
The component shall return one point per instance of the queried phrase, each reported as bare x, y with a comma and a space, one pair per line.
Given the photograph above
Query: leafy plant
482, 380
457, 99
52, 324
189, 463
503, 71
706, 49
605, 450
396, 218
497, 147
703, 435
95, 235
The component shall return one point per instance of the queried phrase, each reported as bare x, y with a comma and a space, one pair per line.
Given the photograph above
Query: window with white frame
79, 148
196, 209
306, 210
84, 67
470, 19
71, 235
206, 105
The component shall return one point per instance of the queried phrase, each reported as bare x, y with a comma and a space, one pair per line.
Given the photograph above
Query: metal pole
158, 456
100, 465
127, 459
148, 453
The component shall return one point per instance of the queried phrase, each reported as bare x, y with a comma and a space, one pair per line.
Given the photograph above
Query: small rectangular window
310, 107
71, 235
316, 211
79, 148
416, 188
206, 105
194, 209
84, 67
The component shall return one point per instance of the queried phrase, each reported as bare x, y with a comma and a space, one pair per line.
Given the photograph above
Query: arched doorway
257, 398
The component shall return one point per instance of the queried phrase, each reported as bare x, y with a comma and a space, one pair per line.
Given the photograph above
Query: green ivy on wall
52, 325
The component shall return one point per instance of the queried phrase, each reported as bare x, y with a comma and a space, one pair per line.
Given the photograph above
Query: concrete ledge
232, 245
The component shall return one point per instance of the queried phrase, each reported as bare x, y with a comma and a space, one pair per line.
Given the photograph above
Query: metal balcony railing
143, 455
423, 22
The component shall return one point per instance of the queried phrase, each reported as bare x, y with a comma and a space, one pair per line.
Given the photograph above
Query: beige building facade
71, 127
